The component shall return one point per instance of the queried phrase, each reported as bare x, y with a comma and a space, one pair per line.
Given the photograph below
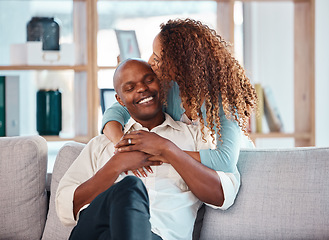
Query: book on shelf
2, 107
260, 108
9, 106
271, 111
251, 126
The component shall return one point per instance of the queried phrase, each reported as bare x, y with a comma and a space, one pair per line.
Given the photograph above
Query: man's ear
119, 100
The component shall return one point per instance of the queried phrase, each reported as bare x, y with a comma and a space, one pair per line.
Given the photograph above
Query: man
96, 194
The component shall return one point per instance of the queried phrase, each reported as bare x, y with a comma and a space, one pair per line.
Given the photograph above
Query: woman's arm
207, 186
113, 131
225, 156
113, 121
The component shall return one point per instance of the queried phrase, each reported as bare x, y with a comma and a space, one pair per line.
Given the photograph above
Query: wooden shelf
107, 67
303, 136
77, 68
82, 139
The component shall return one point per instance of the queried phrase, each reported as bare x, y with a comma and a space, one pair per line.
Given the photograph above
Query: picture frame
128, 44
107, 98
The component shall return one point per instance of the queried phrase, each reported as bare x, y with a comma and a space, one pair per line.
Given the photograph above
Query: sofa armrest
23, 199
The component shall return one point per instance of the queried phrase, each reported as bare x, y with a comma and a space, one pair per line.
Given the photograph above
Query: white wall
270, 39
322, 72
270, 59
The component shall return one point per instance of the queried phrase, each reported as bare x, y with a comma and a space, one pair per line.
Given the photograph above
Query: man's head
138, 90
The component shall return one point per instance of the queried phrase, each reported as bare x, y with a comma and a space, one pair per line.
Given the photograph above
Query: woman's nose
151, 61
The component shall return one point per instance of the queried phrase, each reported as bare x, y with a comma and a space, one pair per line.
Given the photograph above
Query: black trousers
119, 213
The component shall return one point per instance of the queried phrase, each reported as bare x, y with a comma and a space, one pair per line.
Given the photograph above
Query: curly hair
205, 72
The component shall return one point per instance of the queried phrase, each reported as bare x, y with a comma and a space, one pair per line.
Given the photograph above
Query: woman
203, 82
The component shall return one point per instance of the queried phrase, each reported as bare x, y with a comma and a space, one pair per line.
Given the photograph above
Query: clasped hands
147, 142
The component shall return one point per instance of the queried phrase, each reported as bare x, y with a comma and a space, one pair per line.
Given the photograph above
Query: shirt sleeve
117, 113
230, 185
80, 171
230, 181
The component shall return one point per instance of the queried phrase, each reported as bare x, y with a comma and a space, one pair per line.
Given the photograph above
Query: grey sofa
284, 194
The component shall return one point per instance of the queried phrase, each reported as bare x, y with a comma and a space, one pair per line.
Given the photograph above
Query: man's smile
145, 100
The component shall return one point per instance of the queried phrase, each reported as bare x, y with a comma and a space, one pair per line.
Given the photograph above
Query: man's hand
147, 142
106, 176
130, 161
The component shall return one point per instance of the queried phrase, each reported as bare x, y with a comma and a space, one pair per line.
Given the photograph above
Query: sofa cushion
66, 156
284, 195
23, 198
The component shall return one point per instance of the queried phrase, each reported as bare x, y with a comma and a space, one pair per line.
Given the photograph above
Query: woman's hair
205, 72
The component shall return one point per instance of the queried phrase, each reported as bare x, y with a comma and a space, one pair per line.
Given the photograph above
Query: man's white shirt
173, 207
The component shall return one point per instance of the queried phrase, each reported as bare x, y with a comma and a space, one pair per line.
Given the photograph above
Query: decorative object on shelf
267, 108
9, 106
42, 46
271, 111
31, 53
49, 112
46, 30
128, 44
107, 98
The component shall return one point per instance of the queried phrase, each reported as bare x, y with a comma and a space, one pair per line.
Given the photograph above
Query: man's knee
130, 194
132, 186
132, 182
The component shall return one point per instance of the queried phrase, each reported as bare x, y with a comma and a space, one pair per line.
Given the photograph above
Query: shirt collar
132, 125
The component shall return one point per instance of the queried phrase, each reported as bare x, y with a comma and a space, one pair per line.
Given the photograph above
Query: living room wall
269, 49
321, 72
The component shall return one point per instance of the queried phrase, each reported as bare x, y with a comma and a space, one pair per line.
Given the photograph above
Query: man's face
138, 89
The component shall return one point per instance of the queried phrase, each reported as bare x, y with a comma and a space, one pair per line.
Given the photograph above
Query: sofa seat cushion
23, 198
284, 195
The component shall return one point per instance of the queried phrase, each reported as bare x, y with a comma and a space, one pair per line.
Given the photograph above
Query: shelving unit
85, 29
304, 69
86, 102
77, 68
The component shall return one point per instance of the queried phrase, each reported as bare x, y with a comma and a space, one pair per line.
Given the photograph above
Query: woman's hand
140, 172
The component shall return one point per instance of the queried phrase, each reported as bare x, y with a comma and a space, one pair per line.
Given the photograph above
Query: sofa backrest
284, 194
23, 197
66, 156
